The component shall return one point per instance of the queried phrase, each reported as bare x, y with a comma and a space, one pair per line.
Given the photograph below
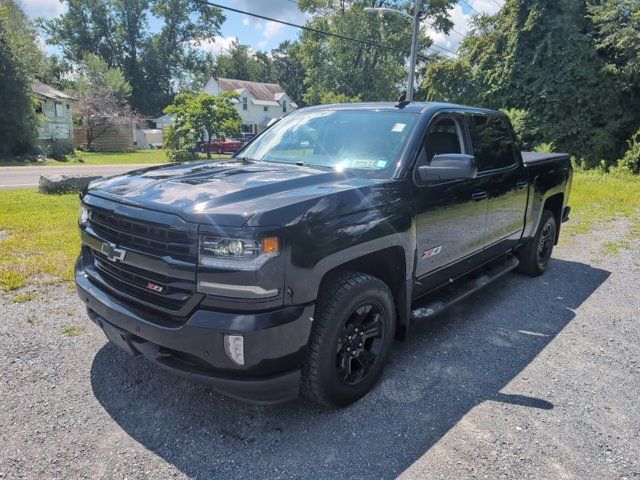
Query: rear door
504, 176
450, 214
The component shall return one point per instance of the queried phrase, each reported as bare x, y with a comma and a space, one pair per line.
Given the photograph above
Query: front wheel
353, 328
535, 255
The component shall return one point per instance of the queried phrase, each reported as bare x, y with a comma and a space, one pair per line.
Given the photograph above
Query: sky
265, 35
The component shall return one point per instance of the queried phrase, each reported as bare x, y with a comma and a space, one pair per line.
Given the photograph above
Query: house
258, 103
55, 111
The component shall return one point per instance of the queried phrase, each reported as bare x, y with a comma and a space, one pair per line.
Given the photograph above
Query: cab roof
413, 107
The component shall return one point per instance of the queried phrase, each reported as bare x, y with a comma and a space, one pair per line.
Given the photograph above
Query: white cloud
278, 9
486, 6
461, 24
42, 8
217, 45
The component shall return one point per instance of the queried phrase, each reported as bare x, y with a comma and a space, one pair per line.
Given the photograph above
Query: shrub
179, 155
631, 159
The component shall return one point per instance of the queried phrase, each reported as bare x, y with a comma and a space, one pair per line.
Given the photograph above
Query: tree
241, 62
288, 70
538, 56
355, 69
330, 97
153, 62
197, 114
20, 61
617, 39
102, 94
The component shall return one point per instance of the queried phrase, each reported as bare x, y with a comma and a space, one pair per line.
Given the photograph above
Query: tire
535, 255
219, 151
353, 328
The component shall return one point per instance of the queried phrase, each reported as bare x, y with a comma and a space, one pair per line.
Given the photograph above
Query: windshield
342, 139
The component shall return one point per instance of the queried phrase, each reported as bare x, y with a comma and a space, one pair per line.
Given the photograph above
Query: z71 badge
431, 252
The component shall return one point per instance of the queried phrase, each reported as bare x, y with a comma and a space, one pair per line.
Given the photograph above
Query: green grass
24, 297
108, 158
43, 237
43, 240
71, 330
600, 197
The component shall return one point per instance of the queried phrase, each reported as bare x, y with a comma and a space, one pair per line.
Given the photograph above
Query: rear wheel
535, 255
352, 332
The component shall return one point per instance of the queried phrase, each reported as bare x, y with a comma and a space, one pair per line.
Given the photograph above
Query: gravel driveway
532, 378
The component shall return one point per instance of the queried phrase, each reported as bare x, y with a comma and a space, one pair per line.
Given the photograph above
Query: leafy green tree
330, 97
20, 62
355, 69
94, 71
538, 56
154, 63
101, 98
631, 159
288, 70
197, 114
241, 62
617, 38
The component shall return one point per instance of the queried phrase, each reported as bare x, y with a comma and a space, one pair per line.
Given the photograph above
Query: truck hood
226, 194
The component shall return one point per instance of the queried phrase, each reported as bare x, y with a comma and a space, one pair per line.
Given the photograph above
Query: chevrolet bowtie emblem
112, 252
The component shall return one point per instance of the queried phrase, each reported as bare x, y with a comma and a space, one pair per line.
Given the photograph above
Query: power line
468, 5
307, 28
443, 48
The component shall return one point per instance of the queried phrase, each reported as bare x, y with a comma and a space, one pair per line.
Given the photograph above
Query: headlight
85, 215
237, 253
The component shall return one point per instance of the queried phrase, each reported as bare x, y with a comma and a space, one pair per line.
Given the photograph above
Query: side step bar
465, 289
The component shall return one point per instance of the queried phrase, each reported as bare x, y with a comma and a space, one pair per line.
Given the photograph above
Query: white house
257, 103
54, 108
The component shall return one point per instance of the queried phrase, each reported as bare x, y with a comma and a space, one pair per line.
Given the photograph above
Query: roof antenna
402, 101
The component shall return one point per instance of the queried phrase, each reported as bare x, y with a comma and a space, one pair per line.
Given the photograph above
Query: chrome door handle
521, 185
479, 196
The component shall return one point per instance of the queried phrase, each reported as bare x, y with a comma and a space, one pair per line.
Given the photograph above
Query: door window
444, 136
491, 140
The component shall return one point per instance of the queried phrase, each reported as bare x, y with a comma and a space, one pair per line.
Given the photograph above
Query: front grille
134, 282
144, 236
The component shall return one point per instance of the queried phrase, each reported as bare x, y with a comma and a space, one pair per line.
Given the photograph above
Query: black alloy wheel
545, 244
353, 328
361, 342
535, 255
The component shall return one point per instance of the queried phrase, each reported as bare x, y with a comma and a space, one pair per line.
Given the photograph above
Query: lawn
107, 158
42, 239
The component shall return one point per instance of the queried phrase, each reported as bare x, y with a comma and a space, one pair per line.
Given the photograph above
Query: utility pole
415, 23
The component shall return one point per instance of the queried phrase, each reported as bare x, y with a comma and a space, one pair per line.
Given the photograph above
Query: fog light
234, 348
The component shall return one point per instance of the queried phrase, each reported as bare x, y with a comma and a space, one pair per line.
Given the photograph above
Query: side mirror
449, 166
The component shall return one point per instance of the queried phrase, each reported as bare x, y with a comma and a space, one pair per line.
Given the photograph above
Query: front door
450, 214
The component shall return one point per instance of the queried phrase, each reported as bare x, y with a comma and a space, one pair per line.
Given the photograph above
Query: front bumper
275, 343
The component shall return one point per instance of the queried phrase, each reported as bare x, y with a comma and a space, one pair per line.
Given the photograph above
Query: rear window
491, 140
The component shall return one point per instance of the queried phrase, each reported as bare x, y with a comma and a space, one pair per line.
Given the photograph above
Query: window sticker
398, 127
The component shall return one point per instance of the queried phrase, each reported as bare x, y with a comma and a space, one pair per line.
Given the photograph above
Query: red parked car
221, 146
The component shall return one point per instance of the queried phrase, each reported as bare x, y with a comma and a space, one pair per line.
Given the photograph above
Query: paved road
530, 379
27, 177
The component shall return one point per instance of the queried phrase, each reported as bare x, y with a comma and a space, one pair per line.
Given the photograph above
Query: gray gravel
533, 378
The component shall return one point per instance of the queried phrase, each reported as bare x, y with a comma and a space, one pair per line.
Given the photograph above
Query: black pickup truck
290, 268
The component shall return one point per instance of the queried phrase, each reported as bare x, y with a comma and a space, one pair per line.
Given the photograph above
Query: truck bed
538, 158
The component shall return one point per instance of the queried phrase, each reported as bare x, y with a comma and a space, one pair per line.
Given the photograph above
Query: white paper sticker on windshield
398, 127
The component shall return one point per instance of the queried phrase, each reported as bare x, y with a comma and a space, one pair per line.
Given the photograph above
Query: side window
492, 144
444, 136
